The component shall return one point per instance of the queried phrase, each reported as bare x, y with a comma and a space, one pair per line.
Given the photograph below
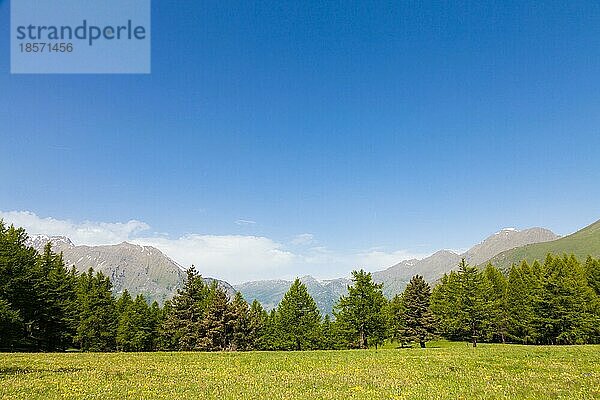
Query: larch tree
298, 320
360, 314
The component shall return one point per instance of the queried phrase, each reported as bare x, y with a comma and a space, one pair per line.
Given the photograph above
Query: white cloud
87, 232
235, 258
231, 257
377, 259
303, 239
244, 222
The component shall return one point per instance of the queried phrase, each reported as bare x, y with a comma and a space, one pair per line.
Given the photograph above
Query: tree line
45, 306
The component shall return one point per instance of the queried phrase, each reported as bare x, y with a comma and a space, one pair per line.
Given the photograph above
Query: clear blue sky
408, 126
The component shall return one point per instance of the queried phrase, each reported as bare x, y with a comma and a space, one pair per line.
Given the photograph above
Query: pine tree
123, 302
135, 330
10, 325
360, 314
269, 338
96, 329
53, 327
156, 316
17, 272
182, 328
412, 318
238, 324
298, 320
214, 326
257, 324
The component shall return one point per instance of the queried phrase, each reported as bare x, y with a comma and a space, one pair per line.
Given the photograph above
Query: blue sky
314, 138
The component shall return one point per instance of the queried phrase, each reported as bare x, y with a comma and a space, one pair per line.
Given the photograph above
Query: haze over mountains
145, 269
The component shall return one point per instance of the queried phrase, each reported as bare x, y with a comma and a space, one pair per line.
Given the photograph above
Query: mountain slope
581, 243
139, 269
270, 292
435, 266
508, 238
395, 278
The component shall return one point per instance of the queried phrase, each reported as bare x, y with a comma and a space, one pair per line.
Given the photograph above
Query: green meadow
442, 371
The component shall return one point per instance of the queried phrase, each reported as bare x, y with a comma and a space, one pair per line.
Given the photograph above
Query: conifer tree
135, 330
156, 316
270, 335
214, 326
522, 303
123, 302
183, 322
592, 274
298, 320
238, 324
258, 319
497, 319
97, 318
413, 320
361, 314
445, 299
53, 325
10, 326
567, 303
17, 272
472, 305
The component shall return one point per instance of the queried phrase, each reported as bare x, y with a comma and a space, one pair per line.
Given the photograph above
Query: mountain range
146, 270
396, 277
139, 269
583, 243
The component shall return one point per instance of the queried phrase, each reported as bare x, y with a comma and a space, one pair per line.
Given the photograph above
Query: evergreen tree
269, 337
567, 303
123, 302
135, 330
360, 314
298, 320
97, 318
592, 274
497, 319
156, 316
445, 299
472, 305
17, 273
239, 324
413, 320
182, 328
258, 319
522, 301
10, 326
53, 325
214, 326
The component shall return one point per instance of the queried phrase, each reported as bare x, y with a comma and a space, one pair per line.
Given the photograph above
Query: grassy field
447, 371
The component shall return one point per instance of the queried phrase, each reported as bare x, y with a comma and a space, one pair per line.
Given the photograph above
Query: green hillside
581, 243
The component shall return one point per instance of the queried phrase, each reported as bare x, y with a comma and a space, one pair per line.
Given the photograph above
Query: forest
47, 306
